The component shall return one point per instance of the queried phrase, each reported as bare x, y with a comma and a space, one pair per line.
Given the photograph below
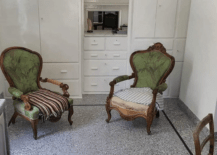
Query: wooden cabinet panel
166, 18
144, 12
60, 71
59, 25
19, 24
179, 49
182, 17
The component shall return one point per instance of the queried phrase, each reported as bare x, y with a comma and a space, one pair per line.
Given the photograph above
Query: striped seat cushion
142, 96
49, 103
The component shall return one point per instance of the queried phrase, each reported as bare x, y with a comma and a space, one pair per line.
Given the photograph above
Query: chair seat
137, 99
34, 113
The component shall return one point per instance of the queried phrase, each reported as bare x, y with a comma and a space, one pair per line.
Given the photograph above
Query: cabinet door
19, 24
175, 80
166, 18
144, 12
59, 22
182, 17
179, 49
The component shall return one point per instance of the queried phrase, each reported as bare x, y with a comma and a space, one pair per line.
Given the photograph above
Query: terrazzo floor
91, 135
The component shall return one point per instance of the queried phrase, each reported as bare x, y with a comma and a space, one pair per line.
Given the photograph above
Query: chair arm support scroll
64, 87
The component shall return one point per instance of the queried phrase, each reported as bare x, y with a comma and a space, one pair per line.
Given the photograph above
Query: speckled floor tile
91, 135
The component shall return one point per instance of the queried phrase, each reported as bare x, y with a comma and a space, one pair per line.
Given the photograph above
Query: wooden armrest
64, 87
112, 83
25, 99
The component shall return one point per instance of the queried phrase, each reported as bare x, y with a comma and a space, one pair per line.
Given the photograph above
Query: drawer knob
116, 68
64, 71
93, 84
94, 55
94, 68
94, 44
116, 55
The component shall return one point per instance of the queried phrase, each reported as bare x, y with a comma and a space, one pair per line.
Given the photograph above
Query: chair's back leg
13, 118
71, 111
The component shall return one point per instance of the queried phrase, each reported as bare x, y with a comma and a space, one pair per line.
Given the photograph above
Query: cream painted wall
199, 84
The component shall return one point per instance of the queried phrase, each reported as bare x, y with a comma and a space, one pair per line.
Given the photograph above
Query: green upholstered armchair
22, 69
144, 99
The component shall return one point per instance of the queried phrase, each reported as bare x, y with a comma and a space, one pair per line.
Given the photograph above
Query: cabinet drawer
96, 43
100, 84
116, 43
60, 71
105, 55
101, 67
74, 88
179, 49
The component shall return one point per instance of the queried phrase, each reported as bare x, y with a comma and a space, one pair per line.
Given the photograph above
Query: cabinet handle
94, 43
117, 43
115, 68
93, 84
94, 55
64, 71
116, 55
94, 68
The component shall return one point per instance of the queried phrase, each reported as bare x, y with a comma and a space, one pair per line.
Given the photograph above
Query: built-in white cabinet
164, 21
59, 29
104, 59
179, 49
182, 18
19, 24
166, 18
144, 13
175, 80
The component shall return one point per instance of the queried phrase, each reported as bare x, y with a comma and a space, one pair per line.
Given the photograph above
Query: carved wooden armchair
199, 147
22, 69
144, 99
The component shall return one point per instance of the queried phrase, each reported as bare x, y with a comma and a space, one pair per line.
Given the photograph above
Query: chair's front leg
34, 124
71, 111
108, 110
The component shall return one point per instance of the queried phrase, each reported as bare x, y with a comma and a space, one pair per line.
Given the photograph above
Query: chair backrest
22, 68
199, 147
152, 66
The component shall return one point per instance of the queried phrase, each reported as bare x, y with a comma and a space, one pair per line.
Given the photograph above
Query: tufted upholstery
150, 67
23, 68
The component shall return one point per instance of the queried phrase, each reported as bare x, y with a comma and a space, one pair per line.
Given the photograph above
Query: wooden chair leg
34, 124
13, 118
71, 111
157, 114
108, 110
149, 123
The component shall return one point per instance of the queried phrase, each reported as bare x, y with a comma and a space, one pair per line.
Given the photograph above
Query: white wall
199, 76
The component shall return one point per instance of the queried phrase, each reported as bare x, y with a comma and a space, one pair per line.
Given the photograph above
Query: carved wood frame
151, 110
25, 98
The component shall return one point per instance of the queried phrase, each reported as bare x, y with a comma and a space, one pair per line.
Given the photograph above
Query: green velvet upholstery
20, 108
23, 67
162, 87
150, 67
121, 78
15, 92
